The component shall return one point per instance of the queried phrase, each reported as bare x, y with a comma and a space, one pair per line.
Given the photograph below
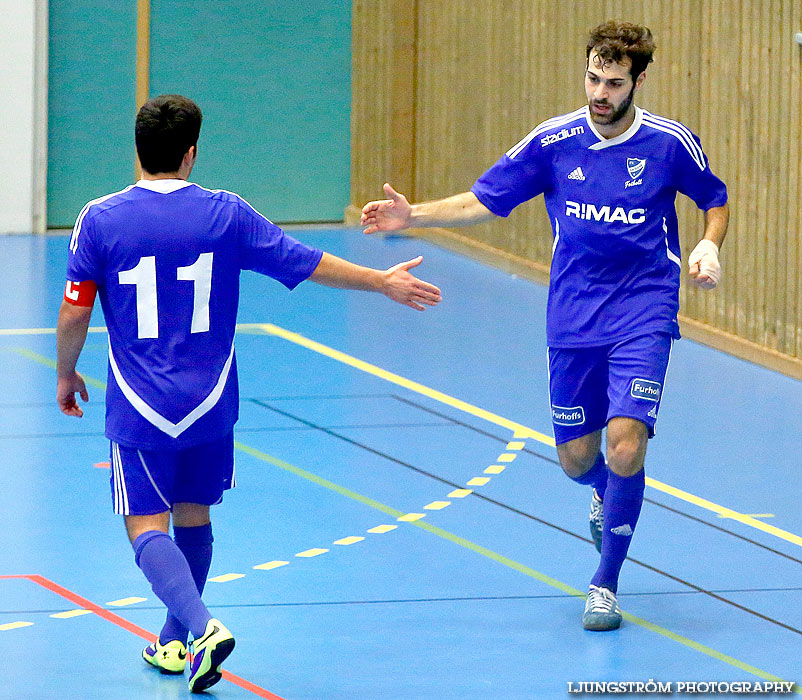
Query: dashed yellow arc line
258, 454
519, 430
501, 559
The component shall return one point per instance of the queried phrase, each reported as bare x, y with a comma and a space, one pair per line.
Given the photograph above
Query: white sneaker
596, 520
601, 610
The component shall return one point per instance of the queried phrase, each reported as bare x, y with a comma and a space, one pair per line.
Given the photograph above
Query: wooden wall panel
485, 74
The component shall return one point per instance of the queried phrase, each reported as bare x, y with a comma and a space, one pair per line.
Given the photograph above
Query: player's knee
576, 458
190, 514
626, 445
625, 455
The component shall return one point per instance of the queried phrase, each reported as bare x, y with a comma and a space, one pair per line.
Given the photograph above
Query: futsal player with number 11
165, 256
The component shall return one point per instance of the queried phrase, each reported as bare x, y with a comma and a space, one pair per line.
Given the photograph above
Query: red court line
131, 627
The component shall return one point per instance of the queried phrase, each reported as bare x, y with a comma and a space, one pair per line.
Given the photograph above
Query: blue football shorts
144, 482
589, 386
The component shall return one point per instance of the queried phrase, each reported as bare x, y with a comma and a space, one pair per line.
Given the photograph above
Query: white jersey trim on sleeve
679, 132
240, 199
681, 129
543, 127
154, 417
76, 230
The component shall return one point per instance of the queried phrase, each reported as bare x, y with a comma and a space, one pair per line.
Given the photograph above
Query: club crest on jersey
646, 390
562, 415
635, 167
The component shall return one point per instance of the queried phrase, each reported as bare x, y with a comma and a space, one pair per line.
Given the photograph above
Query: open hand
387, 214
403, 287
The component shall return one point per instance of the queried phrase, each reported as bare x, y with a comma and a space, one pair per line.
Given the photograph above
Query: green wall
91, 103
273, 80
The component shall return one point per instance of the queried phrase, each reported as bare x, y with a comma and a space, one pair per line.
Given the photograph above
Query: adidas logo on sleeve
576, 174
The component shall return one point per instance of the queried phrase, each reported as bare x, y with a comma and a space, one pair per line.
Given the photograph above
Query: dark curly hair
613, 41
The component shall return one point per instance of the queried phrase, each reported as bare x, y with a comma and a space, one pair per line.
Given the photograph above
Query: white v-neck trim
605, 142
165, 186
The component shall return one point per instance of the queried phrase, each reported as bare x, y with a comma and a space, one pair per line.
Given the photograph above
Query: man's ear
190, 156
641, 79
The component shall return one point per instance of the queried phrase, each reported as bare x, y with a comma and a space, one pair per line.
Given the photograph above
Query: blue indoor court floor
401, 529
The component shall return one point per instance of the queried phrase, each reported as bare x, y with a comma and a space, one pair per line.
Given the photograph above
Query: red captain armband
80, 293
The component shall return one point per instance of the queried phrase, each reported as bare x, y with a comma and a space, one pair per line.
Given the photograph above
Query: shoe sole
602, 625
165, 671
210, 677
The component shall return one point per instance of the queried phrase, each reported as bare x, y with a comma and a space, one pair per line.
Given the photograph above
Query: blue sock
621, 510
195, 544
596, 476
167, 571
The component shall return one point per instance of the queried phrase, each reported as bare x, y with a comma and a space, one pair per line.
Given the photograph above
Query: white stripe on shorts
120, 490
118, 477
152, 482
114, 479
114, 476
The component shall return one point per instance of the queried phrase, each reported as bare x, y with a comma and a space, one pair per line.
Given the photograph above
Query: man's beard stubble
616, 115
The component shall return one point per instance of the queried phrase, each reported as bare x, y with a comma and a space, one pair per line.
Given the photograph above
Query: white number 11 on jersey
143, 276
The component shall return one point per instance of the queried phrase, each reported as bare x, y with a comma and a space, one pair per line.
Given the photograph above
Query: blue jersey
616, 259
166, 256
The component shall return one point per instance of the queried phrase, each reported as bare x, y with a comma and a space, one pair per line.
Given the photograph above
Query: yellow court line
503, 560
345, 541
71, 613
298, 339
126, 601
484, 552
725, 512
14, 626
411, 517
267, 566
225, 578
519, 430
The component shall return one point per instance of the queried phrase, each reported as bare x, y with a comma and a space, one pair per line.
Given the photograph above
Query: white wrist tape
706, 255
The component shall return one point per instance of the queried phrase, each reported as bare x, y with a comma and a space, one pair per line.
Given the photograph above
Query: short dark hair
166, 127
613, 41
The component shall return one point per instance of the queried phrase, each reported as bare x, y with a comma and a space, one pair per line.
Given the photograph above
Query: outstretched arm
73, 322
397, 283
397, 213
704, 268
